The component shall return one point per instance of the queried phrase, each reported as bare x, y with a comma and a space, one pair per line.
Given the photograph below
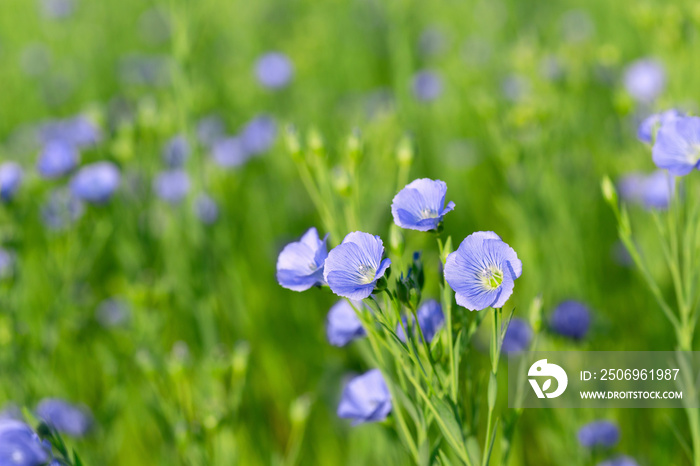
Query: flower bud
291, 139
609, 191
314, 141
536, 313
341, 182
300, 409
354, 146
241, 355
396, 240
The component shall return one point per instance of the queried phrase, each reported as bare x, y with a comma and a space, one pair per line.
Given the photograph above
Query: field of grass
213, 362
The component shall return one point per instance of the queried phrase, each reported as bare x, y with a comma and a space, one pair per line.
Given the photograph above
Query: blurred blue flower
176, 151
653, 191
649, 126
65, 417
353, 268
206, 209
677, 146
259, 134
112, 312
365, 398
61, 209
7, 262
35, 59
482, 271
342, 323
577, 26
96, 183
300, 264
11, 411
20, 445
274, 70
172, 186
621, 460
430, 319
518, 336
229, 152
146, 70
57, 159
57, 9
11, 175
599, 434
427, 85
645, 79
571, 319
515, 87
210, 129
78, 132
421, 205
432, 42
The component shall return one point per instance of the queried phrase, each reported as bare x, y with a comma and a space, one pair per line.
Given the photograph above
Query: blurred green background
217, 363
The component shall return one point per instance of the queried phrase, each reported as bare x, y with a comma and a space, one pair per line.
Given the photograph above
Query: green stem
496, 343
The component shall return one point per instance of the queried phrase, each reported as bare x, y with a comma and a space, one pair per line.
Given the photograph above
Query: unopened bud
396, 240
404, 152
291, 139
609, 191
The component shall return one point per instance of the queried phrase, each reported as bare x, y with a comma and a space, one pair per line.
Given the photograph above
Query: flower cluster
482, 272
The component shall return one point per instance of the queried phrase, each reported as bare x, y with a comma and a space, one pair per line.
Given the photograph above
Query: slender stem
447, 308
371, 336
496, 343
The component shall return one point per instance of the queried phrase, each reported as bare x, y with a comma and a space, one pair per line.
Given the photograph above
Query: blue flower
365, 398
57, 9
206, 209
621, 460
427, 85
515, 87
61, 209
571, 319
430, 319
482, 271
677, 146
259, 134
645, 79
653, 191
57, 159
7, 262
20, 445
210, 129
342, 323
172, 186
65, 417
176, 151
353, 268
112, 312
599, 434
518, 336
10, 180
421, 205
650, 125
274, 70
229, 152
96, 183
300, 264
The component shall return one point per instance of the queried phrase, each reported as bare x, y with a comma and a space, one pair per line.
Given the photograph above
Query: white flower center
428, 213
367, 274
